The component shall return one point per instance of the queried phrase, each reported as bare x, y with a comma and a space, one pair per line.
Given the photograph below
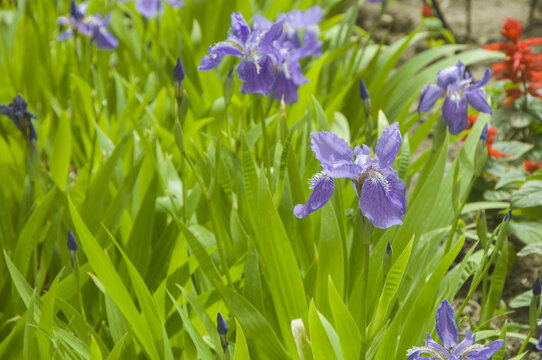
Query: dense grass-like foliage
184, 209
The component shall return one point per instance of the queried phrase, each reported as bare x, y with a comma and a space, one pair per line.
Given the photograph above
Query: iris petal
446, 326
454, 111
383, 199
477, 99
323, 190
430, 95
388, 145
257, 74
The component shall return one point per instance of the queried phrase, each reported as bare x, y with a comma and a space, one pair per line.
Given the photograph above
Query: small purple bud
32, 133
363, 92
483, 135
222, 329
178, 71
508, 216
537, 287
73, 9
72, 244
388, 249
221, 326
539, 345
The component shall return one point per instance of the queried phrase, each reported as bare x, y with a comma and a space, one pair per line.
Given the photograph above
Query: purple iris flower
458, 92
381, 193
151, 8
448, 334
256, 68
268, 46
91, 26
21, 117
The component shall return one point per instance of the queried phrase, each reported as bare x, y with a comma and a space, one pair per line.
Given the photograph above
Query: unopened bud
178, 80
222, 329
386, 263
365, 98
537, 287
72, 243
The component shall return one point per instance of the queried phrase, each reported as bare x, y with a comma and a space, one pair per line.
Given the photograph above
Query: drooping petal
329, 148
257, 74
477, 99
66, 34
455, 113
383, 199
209, 62
446, 326
434, 348
284, 87
486, 353
430, 95
388, 145
148, 8
323, 187
104, 40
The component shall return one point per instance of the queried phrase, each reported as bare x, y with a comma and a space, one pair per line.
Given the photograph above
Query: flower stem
524, 345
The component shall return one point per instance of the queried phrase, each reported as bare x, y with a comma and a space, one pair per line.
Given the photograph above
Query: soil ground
488, 16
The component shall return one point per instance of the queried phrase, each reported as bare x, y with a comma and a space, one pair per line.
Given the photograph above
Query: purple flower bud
388, 249
21, 117
363, 92
483, 135
539, 345
537, 287
508, 216
222, 329
178, 71
72, 244
221, 326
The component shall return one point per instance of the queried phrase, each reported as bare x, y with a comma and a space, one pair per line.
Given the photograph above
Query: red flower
427, 11
531, 166
491, 137
521, 65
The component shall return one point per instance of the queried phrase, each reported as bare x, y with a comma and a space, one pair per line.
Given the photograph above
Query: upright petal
455, 113
463, 347
329, 148
484, 80
239, 27
388, 145
430, 95
446, 326
477, 99
323, 187
449, 75
383, 199
257, 74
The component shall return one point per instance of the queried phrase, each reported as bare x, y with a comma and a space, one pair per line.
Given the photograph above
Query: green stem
364, 283
524, 345
449, 241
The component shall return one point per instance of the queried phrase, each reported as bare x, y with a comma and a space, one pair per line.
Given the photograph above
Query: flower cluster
532, 166
490, 137
21, 117
381, 193
455, 83
151, 8
91, 26
448, 334
427, 11
268, 46
521, 66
